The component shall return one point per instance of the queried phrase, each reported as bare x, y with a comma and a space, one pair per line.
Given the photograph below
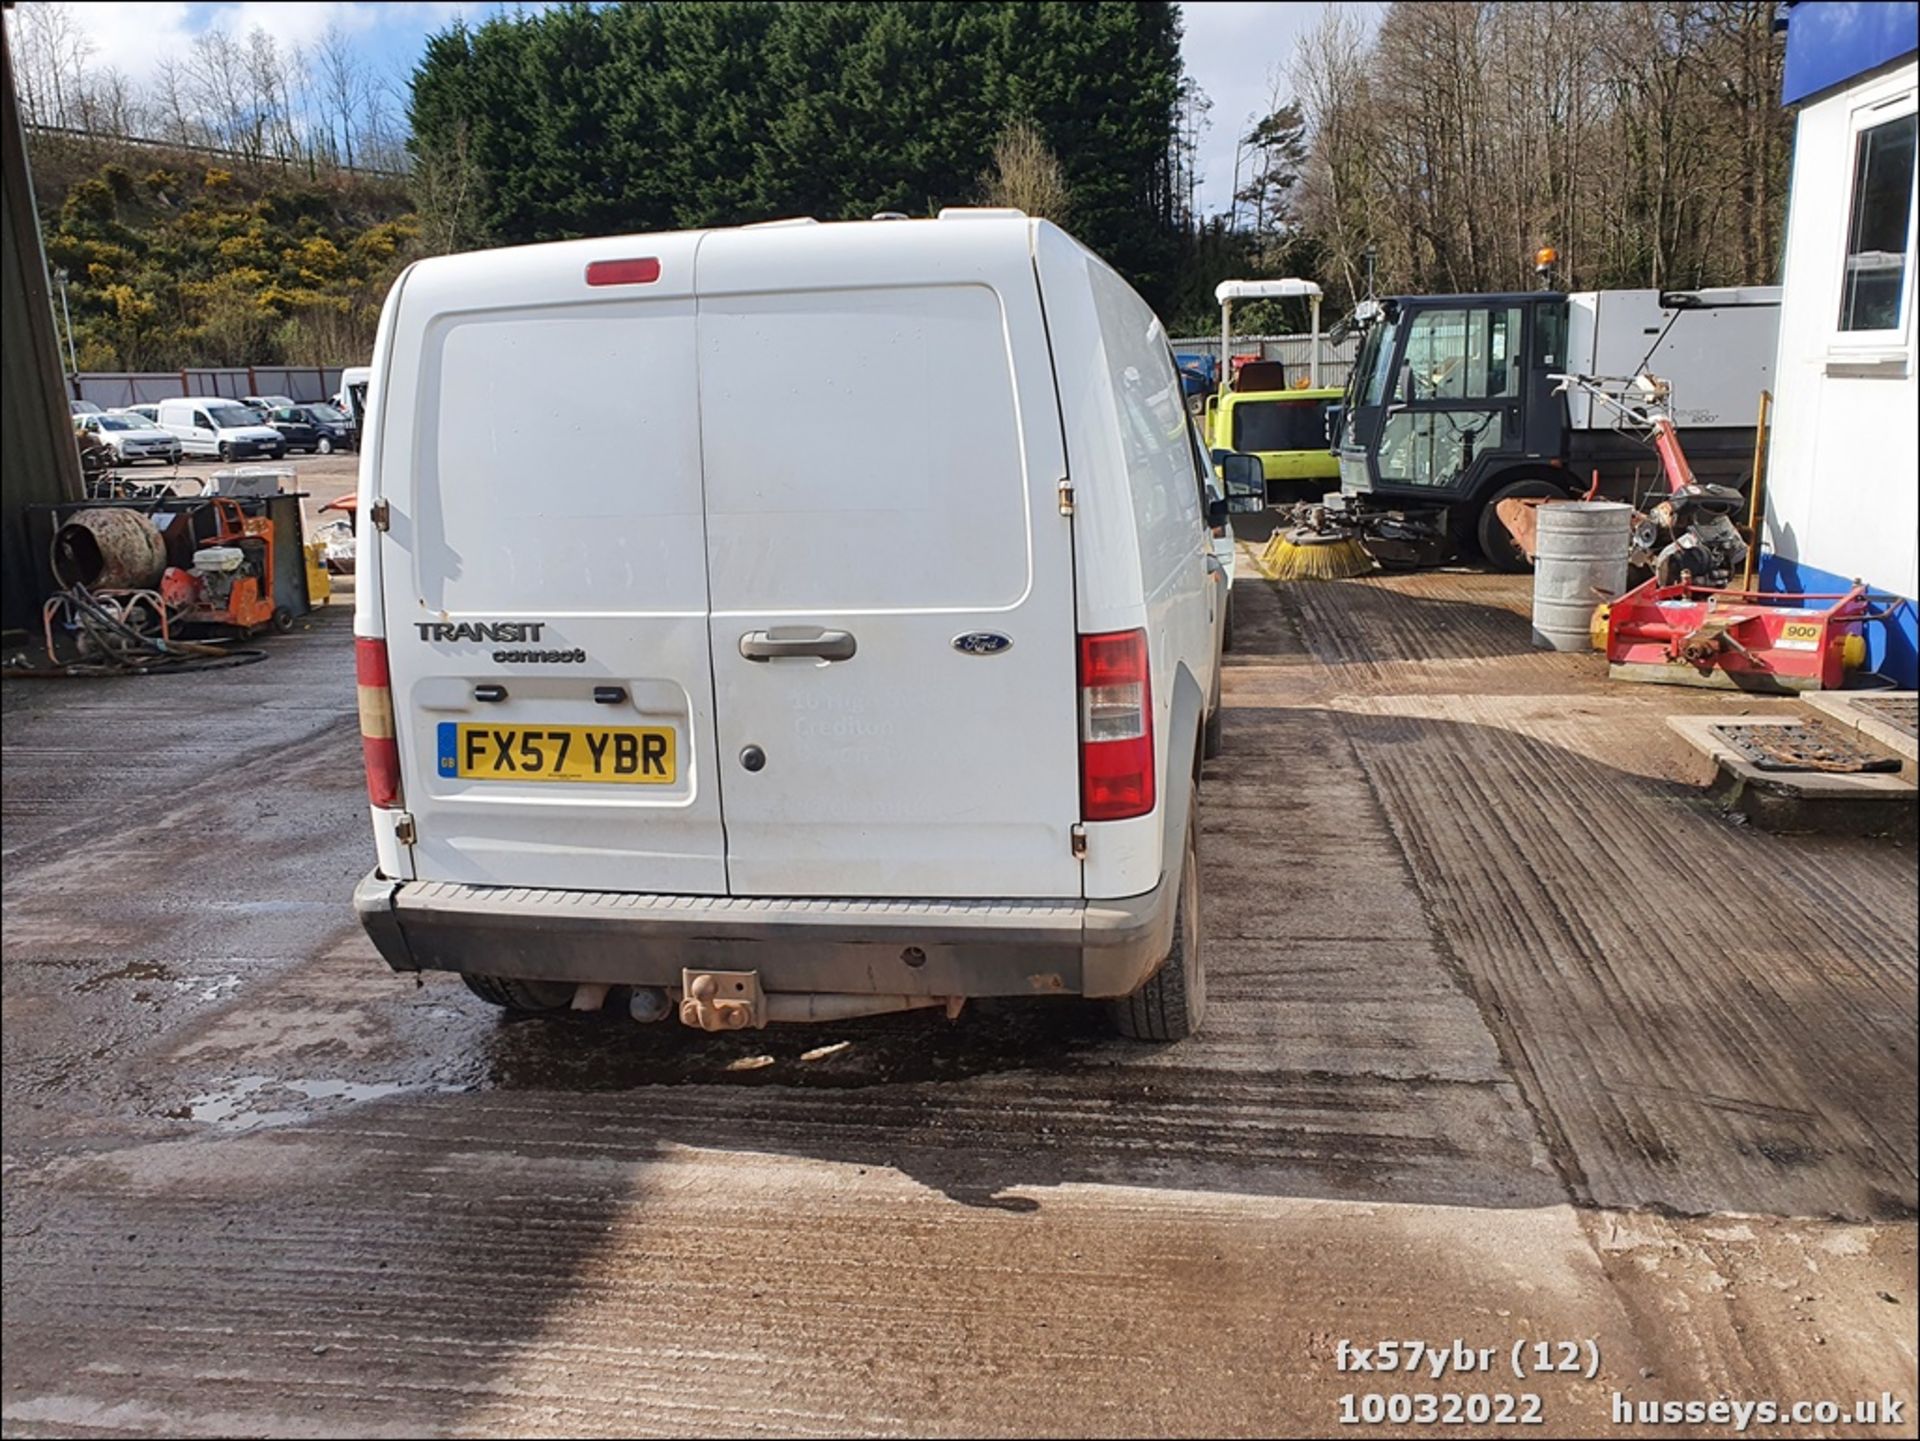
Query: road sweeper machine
1456, 403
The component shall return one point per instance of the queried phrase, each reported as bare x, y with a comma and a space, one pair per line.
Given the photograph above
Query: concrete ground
1512, 1039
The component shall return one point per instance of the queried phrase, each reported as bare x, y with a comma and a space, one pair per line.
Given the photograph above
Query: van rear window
1280, 425
863, 450
558, 467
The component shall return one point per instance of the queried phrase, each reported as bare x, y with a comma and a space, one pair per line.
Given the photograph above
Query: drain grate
1900, 712
1813, 746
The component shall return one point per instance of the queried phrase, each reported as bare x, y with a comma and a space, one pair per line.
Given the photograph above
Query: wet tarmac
1513, 1039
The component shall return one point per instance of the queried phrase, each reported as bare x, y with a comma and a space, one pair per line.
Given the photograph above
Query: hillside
173, 260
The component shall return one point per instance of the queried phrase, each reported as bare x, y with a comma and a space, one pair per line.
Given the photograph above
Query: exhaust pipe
805, 1006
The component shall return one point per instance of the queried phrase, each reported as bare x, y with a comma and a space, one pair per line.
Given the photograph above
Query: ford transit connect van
791, 622
211, 425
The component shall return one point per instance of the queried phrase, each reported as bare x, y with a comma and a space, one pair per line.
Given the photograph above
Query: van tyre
1497, 544
1173, 1002
226, 452
512, 994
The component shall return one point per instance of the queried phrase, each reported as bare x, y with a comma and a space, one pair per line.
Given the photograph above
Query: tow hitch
722, 1000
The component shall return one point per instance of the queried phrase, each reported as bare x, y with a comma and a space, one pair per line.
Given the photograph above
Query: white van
214, 425
786, 623
351, 398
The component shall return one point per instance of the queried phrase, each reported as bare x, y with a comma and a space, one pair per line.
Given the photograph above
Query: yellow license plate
625, 755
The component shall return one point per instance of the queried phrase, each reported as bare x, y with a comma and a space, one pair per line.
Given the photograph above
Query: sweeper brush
1307, 554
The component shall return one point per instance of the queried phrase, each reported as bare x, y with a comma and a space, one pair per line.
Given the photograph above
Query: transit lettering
497, 631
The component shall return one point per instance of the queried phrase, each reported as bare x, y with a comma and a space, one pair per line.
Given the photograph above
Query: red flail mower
1740, 639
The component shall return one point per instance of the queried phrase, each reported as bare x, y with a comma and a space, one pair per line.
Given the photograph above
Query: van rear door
544, 570
891, 575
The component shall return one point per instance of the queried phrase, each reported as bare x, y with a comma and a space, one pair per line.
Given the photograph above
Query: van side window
200, 420
1153, 421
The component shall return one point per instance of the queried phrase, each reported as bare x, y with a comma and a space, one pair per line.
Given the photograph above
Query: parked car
211, 425
145, 412
130, 438
82, 407
265, 403
953, 654
334, 427
294, 427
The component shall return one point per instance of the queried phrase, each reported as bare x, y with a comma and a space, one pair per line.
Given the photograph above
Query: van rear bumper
865, 947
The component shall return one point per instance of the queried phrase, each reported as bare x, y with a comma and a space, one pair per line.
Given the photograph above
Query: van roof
989, 225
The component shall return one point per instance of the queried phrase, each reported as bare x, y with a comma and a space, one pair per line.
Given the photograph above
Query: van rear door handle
782, 641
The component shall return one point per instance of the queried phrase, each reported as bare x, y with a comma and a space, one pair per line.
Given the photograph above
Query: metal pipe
1226, 338
1313, 365
73, 360
1754, 510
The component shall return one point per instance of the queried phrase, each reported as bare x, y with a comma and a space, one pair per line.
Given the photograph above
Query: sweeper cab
1454, 404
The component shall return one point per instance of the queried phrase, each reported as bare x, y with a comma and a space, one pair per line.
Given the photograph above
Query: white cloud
135, 36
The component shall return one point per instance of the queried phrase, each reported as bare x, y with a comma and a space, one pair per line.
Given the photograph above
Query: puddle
607, 1052
233, 1107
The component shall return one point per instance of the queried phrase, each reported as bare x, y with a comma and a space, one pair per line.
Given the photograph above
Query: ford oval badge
982, 642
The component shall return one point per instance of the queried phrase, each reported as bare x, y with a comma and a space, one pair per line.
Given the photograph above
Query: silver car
131, 438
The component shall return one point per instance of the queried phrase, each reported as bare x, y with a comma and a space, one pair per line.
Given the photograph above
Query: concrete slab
1870, 803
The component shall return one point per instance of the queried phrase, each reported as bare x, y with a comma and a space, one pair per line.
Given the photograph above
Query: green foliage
202, 267
593, 121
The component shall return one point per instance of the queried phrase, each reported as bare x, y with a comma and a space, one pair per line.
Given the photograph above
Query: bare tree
216, 78
50, 54
342, 86
1640, 138
173, 108
110, 104
1027, 175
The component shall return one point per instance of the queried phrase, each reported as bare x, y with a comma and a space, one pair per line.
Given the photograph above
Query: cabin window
1880, 228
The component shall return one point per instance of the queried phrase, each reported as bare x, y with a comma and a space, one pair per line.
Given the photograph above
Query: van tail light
378, 743
1116, 726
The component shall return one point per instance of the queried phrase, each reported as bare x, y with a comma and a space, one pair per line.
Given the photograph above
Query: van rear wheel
1173, 1002
512, 994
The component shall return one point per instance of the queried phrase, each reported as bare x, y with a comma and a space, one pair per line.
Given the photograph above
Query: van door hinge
403, 831
1078, 841
1066, 497
380, 514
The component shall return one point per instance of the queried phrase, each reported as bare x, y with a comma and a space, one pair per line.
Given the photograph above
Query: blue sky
1234, 48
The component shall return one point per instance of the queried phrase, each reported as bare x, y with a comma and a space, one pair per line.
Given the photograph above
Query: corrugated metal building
38, 462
